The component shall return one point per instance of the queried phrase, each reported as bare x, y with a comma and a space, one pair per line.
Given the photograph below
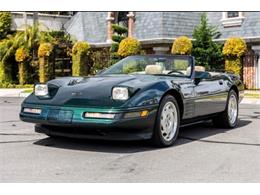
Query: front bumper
70, 122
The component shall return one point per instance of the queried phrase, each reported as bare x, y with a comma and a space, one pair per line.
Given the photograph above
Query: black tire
222, 120
158, 139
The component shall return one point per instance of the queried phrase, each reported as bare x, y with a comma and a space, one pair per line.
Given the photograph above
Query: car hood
94, 91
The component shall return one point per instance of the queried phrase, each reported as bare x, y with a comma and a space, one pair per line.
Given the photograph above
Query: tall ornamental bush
80, 52
182, 46
22, 56
119, 33
45, 68
234, 48
207, 53
129, 46
5, 64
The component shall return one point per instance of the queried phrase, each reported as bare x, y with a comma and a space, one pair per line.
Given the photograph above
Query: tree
119, 33
29, 40
5, 24
206, 52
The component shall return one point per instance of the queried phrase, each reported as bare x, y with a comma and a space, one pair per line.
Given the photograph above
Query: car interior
200, 71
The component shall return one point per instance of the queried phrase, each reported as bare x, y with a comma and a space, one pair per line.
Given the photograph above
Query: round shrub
234, 46
45, 50
119, 29
182, 46
21, 54
118, 38
129, 46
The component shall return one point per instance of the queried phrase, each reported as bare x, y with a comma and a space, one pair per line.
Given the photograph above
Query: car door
210, 96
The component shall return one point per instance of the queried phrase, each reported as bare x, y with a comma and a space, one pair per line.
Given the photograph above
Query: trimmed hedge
119, 29
118, 38
21, 56
80, 52
129, 46
114, 47
45, 68
234, 48
233, 66
5, 65
182, 46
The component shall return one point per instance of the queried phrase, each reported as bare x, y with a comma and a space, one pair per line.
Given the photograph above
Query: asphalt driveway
202, 153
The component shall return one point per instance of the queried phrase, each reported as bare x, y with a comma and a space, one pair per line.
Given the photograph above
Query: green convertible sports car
139, 97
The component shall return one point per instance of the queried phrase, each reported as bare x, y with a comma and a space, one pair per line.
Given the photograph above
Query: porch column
257, 66
109, 19
131, 17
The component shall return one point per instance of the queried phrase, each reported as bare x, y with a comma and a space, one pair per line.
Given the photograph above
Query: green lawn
27, 91
252, 95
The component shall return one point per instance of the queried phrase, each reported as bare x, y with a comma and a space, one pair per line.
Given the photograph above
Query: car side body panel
63, 111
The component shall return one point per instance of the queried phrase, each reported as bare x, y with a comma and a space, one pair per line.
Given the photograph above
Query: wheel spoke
168, 121
232, 109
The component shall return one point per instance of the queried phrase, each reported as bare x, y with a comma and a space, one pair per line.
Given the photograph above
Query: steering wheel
175, 71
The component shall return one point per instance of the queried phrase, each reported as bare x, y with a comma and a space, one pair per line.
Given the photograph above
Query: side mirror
197, 80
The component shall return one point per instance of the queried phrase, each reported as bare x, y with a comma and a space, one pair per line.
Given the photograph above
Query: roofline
169, 40
247, 39
164, 40
42, 14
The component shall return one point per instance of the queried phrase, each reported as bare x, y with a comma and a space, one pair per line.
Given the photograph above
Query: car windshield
156, 65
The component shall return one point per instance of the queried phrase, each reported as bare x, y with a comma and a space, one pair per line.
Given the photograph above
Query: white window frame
233, 21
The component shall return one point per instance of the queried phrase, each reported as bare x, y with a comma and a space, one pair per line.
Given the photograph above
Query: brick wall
249, 70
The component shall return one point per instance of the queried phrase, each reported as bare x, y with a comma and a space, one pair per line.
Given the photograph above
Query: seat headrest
197, 68
153, 69
200, 68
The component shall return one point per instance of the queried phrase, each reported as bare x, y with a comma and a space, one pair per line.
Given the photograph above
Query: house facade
157, 30
247, 26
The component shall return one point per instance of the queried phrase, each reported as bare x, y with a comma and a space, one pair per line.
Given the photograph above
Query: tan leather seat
197, 68
153, 69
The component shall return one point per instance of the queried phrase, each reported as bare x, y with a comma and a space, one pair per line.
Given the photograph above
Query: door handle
220, 82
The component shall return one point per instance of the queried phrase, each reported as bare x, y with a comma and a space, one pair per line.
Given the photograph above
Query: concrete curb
13, 93
22, 94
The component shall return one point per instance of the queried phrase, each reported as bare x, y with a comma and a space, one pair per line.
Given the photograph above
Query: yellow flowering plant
21, 54
45, 49
234, 46
81, 47
129, 46
182, 46
45, 67
80, 57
